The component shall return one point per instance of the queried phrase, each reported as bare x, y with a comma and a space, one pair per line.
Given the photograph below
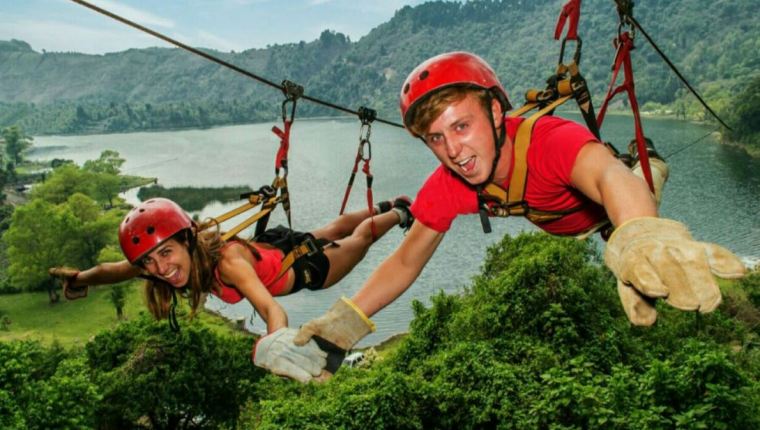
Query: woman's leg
352, 249
345, 225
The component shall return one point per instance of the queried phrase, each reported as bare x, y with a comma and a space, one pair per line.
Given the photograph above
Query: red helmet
148, 224
446, 70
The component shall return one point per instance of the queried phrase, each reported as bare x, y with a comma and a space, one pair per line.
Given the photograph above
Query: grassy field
73, 323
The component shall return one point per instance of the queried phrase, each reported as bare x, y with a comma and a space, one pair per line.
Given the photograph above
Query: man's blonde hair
433, 106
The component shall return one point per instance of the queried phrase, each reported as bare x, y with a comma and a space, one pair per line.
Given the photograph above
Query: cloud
208, 40
133, 14
64, 37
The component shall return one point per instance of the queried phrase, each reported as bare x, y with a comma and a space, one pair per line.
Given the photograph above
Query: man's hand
343, 325
68, 276
277, 353
657, 258
336, 332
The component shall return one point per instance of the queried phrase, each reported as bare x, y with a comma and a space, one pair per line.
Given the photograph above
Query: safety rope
220, 61
624, 45
292, 93
689, 145
571, 12
363, 154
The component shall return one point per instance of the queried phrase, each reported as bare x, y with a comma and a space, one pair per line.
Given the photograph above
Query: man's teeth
171, 274
465, 161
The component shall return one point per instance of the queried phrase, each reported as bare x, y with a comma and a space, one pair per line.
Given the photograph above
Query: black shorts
311, 270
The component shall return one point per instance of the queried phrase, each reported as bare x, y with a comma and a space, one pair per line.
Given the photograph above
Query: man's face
462, 139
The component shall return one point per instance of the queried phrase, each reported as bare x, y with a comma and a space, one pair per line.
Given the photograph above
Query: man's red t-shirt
555, 144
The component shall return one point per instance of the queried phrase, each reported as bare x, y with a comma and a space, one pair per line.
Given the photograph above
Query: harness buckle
311, 246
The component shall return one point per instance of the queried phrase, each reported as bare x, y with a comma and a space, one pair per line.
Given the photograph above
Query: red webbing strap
366, 115
351, 181
370, 204
282, 154
572, 11
624, 45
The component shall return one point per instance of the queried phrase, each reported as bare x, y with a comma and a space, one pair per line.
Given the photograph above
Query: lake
713, 188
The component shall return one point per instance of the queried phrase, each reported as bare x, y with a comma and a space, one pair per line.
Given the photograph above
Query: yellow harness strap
307, 247
511, 202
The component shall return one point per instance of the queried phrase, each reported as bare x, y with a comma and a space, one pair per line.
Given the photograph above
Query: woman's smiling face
170, 261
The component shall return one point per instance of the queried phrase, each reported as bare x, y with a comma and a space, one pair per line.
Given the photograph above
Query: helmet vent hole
135, 240
406, 88
150, 229
142, 210
126, 220
424, 75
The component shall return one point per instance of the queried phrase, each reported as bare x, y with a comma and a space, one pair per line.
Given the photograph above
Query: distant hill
715, 44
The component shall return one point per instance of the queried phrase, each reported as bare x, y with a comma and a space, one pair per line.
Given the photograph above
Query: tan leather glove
276, 353
343, 325
657, 258
336, 332
67, 275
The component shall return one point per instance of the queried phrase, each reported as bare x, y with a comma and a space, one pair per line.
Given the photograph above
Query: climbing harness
269, 196
566, 83
363, 154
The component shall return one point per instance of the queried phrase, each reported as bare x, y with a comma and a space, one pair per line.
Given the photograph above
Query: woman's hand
277, 353
68, 277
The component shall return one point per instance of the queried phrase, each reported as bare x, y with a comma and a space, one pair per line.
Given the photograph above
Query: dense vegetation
139, 375
538, 340
715, 45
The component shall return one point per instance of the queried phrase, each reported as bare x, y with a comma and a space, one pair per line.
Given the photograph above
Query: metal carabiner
576, 55
362, 144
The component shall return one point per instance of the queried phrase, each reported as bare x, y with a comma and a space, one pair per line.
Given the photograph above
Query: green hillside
715, 45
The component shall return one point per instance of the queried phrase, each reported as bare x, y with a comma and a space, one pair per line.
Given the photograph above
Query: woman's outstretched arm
236, 269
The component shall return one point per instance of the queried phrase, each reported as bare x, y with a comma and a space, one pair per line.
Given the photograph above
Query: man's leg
352, 249
657, 165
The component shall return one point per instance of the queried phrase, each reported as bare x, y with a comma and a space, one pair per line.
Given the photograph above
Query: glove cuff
370, 325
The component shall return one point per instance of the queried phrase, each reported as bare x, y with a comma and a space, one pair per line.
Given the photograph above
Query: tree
109, 162
187, 380
44, 387
97, 179
42, 235
118, 296
538, 340
16, 142
64, 182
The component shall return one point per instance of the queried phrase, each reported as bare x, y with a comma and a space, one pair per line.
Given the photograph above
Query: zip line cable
220, 61
341, 108
675, 70
690, 144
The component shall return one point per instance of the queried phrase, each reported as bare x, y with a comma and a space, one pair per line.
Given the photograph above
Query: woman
163, 245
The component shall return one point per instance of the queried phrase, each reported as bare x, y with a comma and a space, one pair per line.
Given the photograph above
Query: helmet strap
498, 138
173, 323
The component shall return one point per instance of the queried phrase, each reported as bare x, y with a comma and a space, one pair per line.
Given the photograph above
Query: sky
225, 25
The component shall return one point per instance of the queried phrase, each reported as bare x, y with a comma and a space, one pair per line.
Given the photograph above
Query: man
574, 184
